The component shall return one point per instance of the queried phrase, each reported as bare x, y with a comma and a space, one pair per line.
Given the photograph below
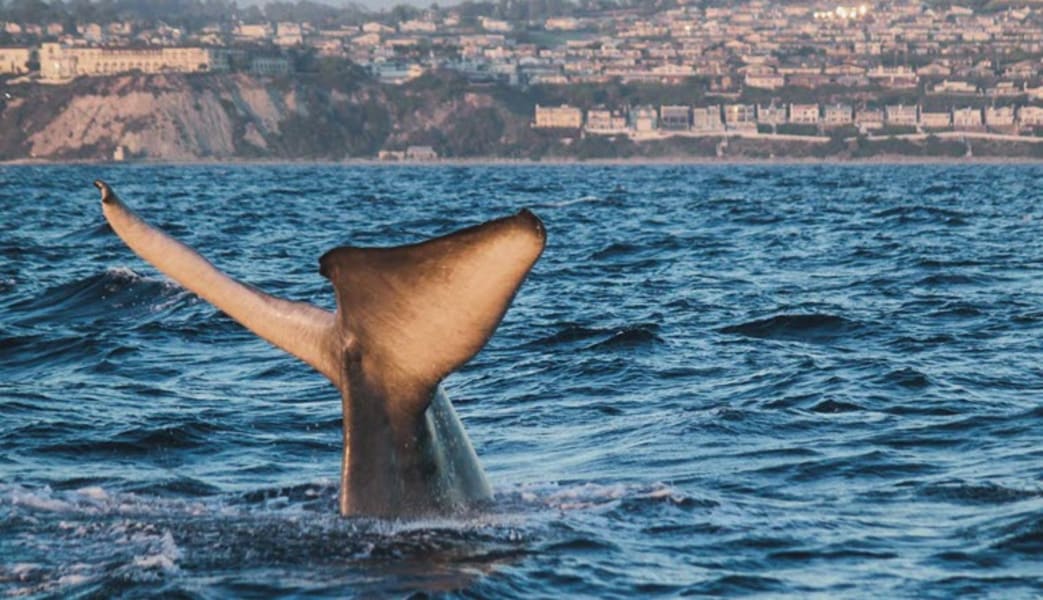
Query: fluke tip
106, 191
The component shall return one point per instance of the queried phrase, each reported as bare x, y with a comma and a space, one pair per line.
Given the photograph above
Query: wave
113, 539
963, 492
924, 214
117, 288
573, 202
600, 338
815, 328
135, 442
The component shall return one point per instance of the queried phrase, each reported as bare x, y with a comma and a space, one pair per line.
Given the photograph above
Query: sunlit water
724, 380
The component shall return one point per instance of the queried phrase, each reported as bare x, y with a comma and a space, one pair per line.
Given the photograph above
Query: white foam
94, 492
74, 579
43, 499
122, 272
162, 556
564, 203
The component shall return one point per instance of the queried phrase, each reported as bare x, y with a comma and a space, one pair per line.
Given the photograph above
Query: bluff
330, 116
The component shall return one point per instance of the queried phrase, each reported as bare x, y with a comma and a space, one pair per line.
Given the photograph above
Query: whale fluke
418, 312
301, 329
406, 317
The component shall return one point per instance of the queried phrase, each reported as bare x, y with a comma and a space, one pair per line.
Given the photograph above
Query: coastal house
707, 119
837, 115
674, 118
804, 114
900, 115
1030, 116
1001, 117
771, 115
967, 119
766, 79
270, 65
289, 34
954, 87
558, 117
935, 120
603, 120
869, 119
421, 153
15, 61
740, 116
643, 119
893, 77
256, 32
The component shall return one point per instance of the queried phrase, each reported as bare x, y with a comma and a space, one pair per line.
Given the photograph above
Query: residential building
771, 115
15, 61
868, 119
420, 153
1030, 116
999, 116
768, 81
966, 118
253, 32
707, 118
269, 65
603, 120
805, 114
644, 119
899, 115
954, 87
58, 62
935, 120
558, 117
837, 115
740, 116
674, 118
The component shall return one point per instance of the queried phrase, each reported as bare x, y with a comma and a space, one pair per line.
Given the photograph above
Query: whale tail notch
418, 312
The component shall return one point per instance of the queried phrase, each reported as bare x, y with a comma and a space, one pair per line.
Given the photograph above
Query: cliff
237, 116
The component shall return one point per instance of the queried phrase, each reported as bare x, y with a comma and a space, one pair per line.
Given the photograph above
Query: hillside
338, 115
237, 116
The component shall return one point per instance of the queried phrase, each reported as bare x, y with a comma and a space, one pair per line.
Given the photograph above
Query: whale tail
410, 314
419, 312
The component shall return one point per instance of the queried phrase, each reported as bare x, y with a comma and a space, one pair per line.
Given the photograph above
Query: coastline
895, 159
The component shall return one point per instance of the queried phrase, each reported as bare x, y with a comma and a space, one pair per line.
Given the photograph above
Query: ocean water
784, 381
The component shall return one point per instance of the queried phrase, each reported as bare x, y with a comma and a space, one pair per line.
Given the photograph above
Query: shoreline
896, 159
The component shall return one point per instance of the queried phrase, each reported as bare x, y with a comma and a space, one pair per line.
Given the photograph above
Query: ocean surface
726, 380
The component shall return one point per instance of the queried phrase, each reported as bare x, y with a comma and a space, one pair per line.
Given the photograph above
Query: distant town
761, 67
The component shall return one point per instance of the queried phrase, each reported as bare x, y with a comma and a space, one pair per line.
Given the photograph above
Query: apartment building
558, 117
58, 62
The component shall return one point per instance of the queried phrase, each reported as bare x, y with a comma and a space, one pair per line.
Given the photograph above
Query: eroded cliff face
230, 116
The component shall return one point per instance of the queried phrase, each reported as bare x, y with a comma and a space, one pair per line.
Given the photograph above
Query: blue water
720, 380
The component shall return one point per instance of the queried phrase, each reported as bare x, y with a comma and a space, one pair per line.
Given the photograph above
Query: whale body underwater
406, 317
